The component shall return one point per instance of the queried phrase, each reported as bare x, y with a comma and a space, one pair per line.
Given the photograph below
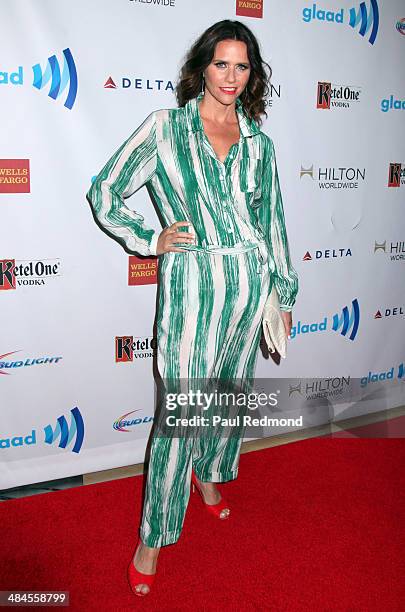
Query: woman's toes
142, 588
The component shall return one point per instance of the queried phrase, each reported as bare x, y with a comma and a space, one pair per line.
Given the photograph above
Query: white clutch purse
273, 325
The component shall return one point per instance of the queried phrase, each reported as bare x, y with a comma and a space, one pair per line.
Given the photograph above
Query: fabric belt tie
240, 247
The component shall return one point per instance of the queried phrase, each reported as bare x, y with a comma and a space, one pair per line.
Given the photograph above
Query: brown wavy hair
200, 56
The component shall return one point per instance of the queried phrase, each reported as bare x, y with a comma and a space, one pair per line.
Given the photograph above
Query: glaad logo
344, 320
59, 79
362, 17
61, 431
373, 377
66, 433
321, 387
335, 177
25, 363
138, 83
396, 249
123, 421
17, 273
330, 95
392, 104
396, 175
347, 321
328, 254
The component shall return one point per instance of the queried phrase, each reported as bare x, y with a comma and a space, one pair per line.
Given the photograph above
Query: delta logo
346, 322
123, 421
61, 76
396, 175
328, 254
249, 8
316, 388
362, 19
330, 96
389, 312
15, 176
16, 273
17, 364
394, 250
139, 83
130, 348
66, 435
374, 377
329, 177
142, 270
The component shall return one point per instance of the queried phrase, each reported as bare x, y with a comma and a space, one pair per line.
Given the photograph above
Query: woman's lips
228, 91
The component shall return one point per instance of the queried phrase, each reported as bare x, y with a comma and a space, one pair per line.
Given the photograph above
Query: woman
211, 172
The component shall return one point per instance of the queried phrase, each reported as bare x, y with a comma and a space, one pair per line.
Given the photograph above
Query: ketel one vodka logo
330, 95
396, 175
16, 273
338, 177
395, 250
347, 322
128, 348
364, 19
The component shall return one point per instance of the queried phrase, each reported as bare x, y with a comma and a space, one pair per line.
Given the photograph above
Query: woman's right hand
170, 235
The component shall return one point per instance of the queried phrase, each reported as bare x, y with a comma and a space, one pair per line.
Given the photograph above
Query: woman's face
228, 73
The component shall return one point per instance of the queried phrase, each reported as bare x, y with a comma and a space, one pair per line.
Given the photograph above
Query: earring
202, 84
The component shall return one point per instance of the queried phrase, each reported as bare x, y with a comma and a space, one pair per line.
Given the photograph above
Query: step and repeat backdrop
77, 344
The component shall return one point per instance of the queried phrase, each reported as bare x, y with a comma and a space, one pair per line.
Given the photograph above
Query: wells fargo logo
142, 270
14, 176
249, 8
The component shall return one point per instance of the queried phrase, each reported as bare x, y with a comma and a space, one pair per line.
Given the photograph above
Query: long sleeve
270, 214
131, 166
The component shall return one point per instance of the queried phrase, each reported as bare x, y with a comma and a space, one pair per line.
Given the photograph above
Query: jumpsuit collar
194, 123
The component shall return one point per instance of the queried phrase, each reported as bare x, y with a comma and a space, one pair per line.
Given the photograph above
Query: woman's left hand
287, 320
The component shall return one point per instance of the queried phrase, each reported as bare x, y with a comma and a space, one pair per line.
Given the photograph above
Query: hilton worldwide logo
335, 177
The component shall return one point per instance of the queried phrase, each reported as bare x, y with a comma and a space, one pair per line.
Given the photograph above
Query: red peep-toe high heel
214, 509
135, 578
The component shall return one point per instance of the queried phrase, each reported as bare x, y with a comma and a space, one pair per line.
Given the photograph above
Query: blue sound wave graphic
65, 433
347, 321
361, 16
59, 81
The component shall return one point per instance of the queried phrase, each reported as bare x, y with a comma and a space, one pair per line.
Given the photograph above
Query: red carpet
317, 524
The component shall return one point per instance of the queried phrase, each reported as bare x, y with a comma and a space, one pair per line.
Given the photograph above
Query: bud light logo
59, 79
64, 433
122, 422
348, 321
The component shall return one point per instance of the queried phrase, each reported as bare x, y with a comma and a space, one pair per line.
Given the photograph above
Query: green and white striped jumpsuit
210, 297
